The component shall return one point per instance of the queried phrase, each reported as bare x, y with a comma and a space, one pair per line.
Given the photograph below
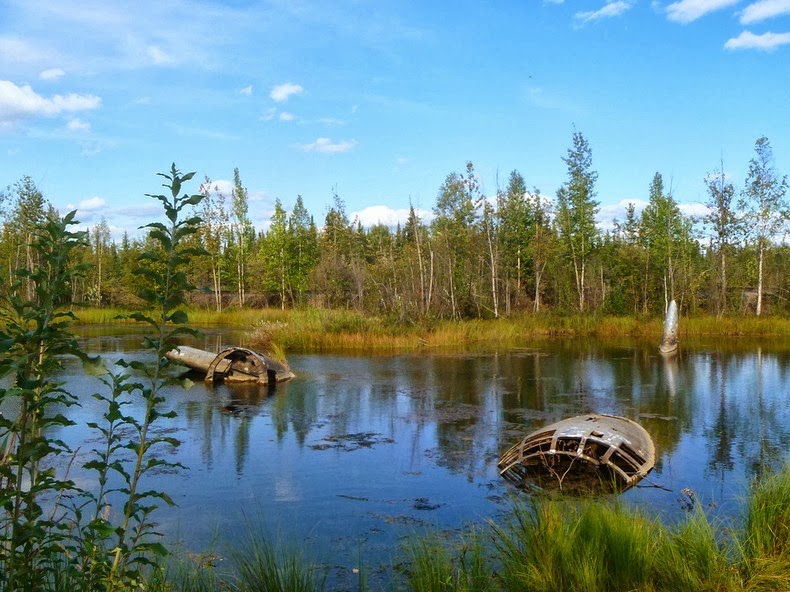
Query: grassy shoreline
553, 545
315, 330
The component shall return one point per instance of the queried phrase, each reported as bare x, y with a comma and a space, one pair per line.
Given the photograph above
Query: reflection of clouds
285, 490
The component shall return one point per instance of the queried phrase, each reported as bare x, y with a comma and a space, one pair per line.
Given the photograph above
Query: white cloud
285, 116
17, 102
92, 203
52, 74
608, 213
282, 92
764, 9
686, 11
158, 56
247, 90
373, 215
764, 42
693, 209
610, 9
77, 125
327, 146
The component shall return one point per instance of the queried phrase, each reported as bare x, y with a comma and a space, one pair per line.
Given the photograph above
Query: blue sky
380, 101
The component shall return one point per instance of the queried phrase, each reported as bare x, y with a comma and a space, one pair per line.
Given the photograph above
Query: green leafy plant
134, 543
35, 335
54, 536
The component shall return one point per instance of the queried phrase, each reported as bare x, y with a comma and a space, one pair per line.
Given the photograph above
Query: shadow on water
357, 451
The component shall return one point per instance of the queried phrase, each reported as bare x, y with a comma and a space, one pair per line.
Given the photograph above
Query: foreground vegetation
552, 545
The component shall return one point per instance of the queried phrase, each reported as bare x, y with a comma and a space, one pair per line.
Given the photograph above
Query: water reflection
358, 450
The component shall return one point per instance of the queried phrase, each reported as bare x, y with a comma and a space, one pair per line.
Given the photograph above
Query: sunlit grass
317, 329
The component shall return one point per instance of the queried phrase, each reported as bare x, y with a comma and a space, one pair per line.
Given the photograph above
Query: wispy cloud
373, 215
158, 56
764, 9
610, 9
282, 92
686, 11
79, 126
52, 74
540, 97
285, 116
764, 42
327, 146
92, 203
18, 102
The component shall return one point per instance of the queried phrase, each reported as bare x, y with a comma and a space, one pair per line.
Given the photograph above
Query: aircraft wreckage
234, 364
584, 453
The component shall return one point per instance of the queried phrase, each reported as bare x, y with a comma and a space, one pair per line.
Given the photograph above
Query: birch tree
722, 220
764, 207
243, 233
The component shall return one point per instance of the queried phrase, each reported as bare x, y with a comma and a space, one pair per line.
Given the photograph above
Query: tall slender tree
303, 251
456, 215
576, 211
722, 220
213, 236
243, 233
764, 207
275, 253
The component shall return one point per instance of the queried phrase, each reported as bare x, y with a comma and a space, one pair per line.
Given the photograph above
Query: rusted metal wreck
583, 453
234, 364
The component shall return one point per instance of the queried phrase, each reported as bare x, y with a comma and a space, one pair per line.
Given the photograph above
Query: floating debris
587, 453
234, 364
669, 341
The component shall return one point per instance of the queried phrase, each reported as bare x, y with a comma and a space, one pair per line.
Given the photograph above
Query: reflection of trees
720, 437
461, 411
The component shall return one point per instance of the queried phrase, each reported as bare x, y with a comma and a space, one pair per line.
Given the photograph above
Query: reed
262, 567
764, 544
435, 563
559, 545
319, 329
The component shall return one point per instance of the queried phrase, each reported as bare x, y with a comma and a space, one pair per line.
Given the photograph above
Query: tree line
476, 258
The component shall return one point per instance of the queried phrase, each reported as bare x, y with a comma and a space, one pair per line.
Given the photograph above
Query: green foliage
261, 567
57, 542
576, 210
34, 336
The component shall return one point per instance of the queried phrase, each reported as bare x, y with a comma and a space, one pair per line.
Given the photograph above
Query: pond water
358, 451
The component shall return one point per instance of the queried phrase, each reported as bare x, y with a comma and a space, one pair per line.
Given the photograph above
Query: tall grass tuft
764, 544
560, 545
435, 563
262, 567
693, 558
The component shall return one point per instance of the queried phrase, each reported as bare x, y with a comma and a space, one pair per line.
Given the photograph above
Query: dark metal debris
583, 453
234, 364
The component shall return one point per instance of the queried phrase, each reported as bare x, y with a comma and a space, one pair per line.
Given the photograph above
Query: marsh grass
319, 329
263, 567
764, 544
432, 562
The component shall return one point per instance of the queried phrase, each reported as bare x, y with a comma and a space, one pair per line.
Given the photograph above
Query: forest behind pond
478, 256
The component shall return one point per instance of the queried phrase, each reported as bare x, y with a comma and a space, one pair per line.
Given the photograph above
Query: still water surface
358, 451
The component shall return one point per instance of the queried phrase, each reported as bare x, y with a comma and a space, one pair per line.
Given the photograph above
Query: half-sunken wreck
234, 364
583, 453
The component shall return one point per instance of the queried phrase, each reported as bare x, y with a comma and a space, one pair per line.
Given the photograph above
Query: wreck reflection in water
359, 450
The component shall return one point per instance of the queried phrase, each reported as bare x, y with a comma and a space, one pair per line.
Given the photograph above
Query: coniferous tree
576, 210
